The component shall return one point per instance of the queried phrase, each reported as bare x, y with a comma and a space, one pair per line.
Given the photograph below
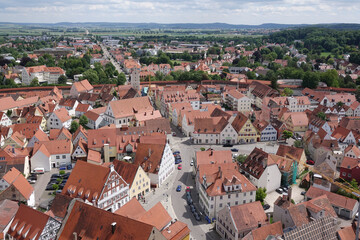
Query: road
112, 60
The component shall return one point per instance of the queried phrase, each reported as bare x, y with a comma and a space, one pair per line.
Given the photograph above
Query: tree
92, 76
9, 112
260, 194
298, 144
74, 126
34, 82
83, 120
121, 79
287, 92
241, 158
339, 104
321, 115
62, 79
310, 80
287, 134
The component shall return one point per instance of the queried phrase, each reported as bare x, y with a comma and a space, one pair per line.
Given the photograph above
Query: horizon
253, 12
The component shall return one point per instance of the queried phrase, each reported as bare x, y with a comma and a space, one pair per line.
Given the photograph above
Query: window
229, 196
63, 156
220, 205
221, 197
344, 173
57, 157
251, 193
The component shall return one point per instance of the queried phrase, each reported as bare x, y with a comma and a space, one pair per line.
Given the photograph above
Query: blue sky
185, 11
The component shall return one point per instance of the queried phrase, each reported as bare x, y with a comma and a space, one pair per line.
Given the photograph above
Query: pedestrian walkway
163, 195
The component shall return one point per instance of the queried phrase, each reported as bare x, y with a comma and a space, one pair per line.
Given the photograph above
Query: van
39, 170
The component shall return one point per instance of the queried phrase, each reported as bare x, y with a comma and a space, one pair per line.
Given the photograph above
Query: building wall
40, 160
248, 133
167, 165
140, 185
228, 135
268, 134
225, 226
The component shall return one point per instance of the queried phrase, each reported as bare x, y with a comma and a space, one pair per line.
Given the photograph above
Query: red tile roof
91, 223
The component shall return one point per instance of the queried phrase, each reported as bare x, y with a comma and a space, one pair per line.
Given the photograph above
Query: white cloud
171, 11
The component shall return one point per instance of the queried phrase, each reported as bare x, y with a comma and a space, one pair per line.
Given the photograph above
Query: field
325, 54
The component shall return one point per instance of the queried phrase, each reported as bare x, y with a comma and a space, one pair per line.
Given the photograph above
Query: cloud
172, 11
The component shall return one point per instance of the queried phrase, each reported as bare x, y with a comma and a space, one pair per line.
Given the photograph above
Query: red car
310, 162
179, 167
187, 189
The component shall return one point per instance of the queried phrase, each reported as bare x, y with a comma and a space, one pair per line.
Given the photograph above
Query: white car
192, 163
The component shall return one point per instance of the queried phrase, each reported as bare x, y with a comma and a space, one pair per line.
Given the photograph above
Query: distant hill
216, 25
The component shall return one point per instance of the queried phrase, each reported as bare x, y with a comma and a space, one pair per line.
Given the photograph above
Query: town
108, 137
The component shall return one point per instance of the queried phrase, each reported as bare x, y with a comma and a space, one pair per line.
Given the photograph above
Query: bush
59, 180
62, 172
202, 149
55, 186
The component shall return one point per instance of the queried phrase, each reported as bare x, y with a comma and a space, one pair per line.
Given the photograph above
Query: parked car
31, 181
284, 189
39, 170
266, 206
228, 145
234, 150
192, 208
310, 162
279, 190
33, 176
177, 161
303, 193
188, 189
55, 175
197, 217
176, 152
174, 134
178, 189
179, 167
62, 167
192, 163
69, 166
49, 187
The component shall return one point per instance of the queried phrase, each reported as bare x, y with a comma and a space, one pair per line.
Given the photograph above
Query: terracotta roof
126, 170
26, 129
92, 115
290, 152
248, 216
59, 206
284, 164
212, 125
82, 107
340, 133
297, 118
129, 107
218, 175
55, 133
28, 220
11, 175
256, 163
354, 148
346, 233
235, 94
86, 179
8, 210
156, 216
55, 146
335, 199
213, 157
176, 231
91, 223
239, 121
62, 114
349, 163
131, 209
149, 156
94, 156
352, 123
262, 233
67, 102
83, 86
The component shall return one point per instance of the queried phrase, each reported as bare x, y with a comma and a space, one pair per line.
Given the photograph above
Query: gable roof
28, 220
256, 162
239, 121
62, 114
248, 215
129, 107
263, 232
156, 216
335, 199
149, 156
213, 157
86, 181
83, 86
93, 223
126, 170
209, 125
54, 147
8, 210
15, 178
59, 206
131, 209
290, 152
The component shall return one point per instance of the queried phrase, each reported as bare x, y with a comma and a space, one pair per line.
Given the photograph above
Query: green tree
251, 75
34, 82
298, 144
62, 79
260, 194
287, 92
354, 184
310, 80
287, 134
321, 115
83, 120
241, 158
9, 112
121, 79
74, 126
92, 76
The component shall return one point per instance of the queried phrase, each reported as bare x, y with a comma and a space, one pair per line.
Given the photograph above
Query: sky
251, 12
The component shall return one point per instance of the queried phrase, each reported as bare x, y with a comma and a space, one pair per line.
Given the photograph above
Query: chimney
112, 167
149, 152
106, 153
75, 235
211, 152
113, 227
289, 193
285, 197
259, 224
220, 172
